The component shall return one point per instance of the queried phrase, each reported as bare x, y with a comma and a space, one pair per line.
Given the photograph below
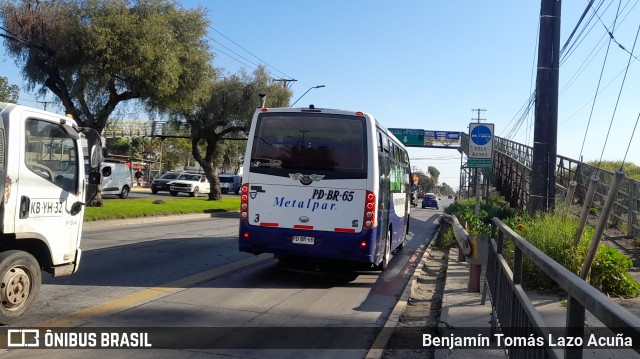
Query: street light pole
311, 88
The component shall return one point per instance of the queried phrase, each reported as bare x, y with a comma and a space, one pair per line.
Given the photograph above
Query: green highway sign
475, 162
408, 136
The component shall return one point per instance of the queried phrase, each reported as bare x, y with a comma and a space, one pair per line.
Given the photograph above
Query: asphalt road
190, 274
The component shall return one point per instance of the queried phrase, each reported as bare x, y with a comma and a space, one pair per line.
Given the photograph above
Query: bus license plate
303, 240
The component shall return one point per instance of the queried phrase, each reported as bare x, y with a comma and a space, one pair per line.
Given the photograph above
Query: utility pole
545, 137
45, 103
478, 110
285, 82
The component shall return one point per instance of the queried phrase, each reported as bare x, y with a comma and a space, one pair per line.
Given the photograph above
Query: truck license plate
303, 240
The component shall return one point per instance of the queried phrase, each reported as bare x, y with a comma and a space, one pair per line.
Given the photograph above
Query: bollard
474, 278
477, 258
473, 249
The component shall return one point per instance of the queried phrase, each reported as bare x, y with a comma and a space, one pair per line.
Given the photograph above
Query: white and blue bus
324, 184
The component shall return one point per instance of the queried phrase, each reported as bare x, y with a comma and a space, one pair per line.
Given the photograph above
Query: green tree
176, 152
446, 189
227, 111
95, 55
428, 182
231, 155
8, 93
434, 173
118, 146
631, 170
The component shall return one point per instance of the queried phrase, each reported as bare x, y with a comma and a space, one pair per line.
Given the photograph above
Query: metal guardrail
511, 173
512, 310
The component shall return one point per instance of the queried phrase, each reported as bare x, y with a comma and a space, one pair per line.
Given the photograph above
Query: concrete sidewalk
462, 309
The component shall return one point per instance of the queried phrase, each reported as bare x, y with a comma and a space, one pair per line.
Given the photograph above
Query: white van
120, 181
230, 183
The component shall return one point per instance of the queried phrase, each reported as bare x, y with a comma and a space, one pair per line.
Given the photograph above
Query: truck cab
44, 191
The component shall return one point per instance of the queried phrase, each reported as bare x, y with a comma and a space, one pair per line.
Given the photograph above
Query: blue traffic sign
481, 135
480, 141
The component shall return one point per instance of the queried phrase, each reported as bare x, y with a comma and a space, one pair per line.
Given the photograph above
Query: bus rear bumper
355, 247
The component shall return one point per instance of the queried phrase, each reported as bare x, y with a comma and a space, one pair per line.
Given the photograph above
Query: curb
96, 225
380, 343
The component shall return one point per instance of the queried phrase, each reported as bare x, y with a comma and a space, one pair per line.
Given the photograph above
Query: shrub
609, 273
446, 239
553, 235
480, 224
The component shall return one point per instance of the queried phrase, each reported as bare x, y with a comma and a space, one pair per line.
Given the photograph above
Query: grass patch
446, 238
144, 207
552, 233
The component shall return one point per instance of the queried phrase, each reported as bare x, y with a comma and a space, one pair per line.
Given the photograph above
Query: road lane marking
144, 296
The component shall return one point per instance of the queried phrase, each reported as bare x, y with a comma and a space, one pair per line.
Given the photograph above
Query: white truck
42, 179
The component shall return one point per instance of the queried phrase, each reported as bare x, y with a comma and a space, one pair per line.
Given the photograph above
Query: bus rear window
316, 142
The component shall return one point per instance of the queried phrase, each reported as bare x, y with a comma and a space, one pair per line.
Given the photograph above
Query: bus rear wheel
386, 256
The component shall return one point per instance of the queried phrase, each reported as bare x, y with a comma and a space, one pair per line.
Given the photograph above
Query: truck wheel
124, 193
20, 278
195, 193
173, 193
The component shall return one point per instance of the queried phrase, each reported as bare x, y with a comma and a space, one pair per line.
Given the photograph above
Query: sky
424, 64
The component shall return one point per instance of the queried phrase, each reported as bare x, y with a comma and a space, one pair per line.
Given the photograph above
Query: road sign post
481, 141
480, 152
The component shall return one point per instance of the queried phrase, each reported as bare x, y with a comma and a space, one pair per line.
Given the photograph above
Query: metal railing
511, 173
512, 310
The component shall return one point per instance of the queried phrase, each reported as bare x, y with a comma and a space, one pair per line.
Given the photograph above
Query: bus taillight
369, 211
244, 202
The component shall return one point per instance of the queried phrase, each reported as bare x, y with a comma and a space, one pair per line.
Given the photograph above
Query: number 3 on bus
324, 184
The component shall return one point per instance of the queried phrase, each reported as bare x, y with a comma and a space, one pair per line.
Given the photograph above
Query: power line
242, 57
630, 140
249, 52
231, 57
568, 48
619, 93
238, 45
610, 32
593, 98
593, 105
583, 67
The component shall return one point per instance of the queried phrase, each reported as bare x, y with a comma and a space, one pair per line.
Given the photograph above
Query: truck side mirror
94, 146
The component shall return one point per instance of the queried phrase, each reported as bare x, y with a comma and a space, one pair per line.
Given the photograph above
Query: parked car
120, 181
164, 182
230, 183
193, 184
430, 200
